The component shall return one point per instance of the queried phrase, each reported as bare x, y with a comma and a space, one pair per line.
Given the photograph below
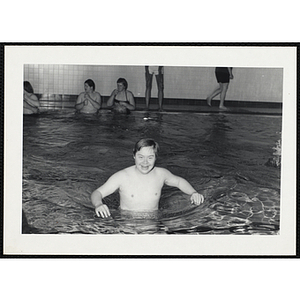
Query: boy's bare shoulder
161, 171
125, 172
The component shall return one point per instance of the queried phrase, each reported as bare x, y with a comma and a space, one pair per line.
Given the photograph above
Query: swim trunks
156, 70
153, 70
222, 75
159, 74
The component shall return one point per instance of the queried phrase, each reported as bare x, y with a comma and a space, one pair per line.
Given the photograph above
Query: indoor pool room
229, 154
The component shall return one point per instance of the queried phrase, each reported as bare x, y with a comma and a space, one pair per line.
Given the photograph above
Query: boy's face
145, 159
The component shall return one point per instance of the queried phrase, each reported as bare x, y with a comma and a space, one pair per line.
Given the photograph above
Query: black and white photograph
150, 150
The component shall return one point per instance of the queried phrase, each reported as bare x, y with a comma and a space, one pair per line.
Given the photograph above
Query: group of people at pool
139, 185
90, 101
122, 100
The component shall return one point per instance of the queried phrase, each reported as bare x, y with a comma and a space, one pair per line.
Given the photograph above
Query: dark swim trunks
222, 75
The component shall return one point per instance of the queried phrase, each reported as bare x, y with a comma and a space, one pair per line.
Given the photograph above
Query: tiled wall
55, 83
249, 84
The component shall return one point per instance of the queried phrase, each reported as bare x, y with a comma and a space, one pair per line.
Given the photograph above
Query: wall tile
249, 84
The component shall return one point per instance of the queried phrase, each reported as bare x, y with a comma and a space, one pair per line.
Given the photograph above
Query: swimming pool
224, 156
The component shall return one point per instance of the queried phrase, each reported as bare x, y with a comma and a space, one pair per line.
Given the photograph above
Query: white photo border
15, 243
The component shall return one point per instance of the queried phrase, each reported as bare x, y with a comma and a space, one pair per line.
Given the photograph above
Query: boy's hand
197, 198
102, 211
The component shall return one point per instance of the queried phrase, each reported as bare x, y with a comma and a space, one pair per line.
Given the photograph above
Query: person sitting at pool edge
140, 185
120, 99
89, 101
31, 103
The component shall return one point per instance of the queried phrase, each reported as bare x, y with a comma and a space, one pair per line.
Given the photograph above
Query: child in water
140, 185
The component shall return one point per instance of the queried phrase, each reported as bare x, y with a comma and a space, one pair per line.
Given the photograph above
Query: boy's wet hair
90, 83
146, 143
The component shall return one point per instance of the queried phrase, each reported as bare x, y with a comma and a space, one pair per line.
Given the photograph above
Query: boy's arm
184, 186
100, 208
179, 182
109, 187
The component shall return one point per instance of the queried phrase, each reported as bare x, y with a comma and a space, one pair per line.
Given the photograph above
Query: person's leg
216, 92
224, 88
160, 87
148, 88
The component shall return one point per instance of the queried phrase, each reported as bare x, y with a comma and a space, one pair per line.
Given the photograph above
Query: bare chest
142, 193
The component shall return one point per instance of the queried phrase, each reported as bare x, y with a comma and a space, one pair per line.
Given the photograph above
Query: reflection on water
67, 156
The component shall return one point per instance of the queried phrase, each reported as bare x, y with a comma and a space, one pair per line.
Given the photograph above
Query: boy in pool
140, 185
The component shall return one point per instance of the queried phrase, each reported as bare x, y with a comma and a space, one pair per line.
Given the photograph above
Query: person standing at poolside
121, 99
140, 185
223, 75
31, 103
89, 101
158, 71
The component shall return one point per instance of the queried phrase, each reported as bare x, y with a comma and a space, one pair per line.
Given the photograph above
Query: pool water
224, 156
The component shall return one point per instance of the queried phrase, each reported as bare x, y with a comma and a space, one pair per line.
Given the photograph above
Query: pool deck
212, 109
180, 105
